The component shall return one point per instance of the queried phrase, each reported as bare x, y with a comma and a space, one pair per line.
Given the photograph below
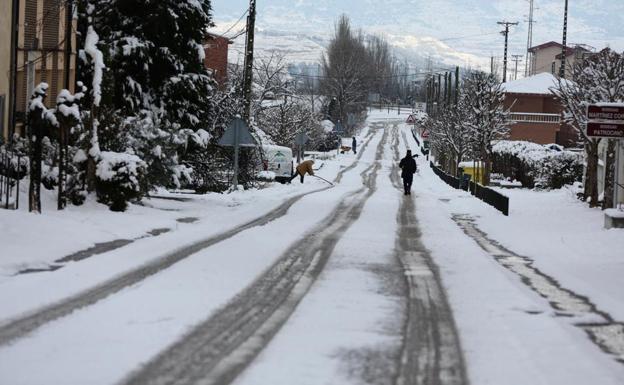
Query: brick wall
216, 49
542, 133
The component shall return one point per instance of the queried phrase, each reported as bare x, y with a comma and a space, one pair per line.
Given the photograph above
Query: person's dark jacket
408, 167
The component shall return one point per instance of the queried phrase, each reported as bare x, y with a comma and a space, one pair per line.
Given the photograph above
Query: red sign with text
605, 130
605, 121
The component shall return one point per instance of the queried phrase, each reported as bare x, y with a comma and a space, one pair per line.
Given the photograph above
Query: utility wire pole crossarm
505, 33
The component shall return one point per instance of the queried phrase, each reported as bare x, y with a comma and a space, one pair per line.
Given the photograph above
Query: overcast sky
468, 26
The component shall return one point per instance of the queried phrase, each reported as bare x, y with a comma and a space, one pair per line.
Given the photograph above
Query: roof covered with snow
536, 84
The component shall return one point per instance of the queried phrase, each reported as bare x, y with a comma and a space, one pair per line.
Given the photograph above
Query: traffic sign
425, 134
605, 112
237, 134
301, 139
411, 119
605, 120
338, 128
605, 130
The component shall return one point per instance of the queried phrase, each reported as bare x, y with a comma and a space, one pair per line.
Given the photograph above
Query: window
552, 70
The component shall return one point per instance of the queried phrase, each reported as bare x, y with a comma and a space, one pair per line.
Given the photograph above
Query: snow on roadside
36, 241
140, 321
566, 239
509, 334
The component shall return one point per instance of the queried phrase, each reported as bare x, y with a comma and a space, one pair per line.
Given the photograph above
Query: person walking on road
303, 168
408, 169
354, 145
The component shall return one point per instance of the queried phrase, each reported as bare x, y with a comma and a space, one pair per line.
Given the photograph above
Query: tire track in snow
19, 327
431, 352
220, 348
600, 326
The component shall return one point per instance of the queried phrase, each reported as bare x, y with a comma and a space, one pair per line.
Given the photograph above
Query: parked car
278, 160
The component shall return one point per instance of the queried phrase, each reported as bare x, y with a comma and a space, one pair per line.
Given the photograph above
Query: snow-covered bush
120, 179
560, 169
535, 165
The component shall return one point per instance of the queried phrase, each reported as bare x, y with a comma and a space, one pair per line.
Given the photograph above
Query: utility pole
450, 89
249, 51
565, 35
439, 93
506, 34
527, 67
456, 85
446, 81
516, 59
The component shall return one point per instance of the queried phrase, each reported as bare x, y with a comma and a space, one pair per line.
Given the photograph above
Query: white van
278, 160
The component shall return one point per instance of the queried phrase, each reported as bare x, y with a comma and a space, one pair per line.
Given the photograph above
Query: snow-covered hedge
535, 165
120, 178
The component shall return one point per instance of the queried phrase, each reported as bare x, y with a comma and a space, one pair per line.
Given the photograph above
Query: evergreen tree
157, 92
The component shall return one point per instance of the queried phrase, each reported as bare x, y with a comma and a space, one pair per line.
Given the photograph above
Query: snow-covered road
351, 284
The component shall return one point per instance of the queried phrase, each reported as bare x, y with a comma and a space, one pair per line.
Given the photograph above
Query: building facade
6, 47
547, 57
41, 46
535, 112
216, 60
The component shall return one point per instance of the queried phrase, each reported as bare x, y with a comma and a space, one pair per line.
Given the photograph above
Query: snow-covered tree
271, 82
40, 121
157, 92
599, 78
345, 73
450, 134
488, 119
70, 126
284, 120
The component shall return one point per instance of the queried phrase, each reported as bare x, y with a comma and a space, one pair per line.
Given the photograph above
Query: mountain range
450, 32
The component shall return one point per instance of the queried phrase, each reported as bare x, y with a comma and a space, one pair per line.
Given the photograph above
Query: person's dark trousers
407, 184
294, 176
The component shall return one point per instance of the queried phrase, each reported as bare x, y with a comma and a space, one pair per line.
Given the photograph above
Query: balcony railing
529, 117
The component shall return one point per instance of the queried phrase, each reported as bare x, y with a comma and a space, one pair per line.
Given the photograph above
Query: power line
466, 37
234, 25
411, 75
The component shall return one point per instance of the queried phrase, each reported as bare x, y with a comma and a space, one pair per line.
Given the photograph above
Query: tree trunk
487, 167
62, 161
609, 183
34, 189
91, 162
591, 173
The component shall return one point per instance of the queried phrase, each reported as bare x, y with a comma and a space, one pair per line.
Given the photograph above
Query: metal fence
13, 168
486, 194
